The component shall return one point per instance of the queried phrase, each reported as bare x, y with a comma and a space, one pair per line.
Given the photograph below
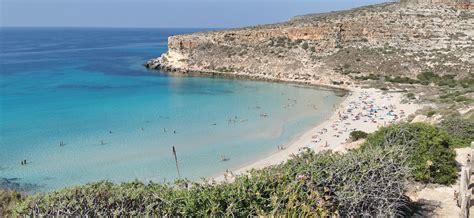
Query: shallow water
88, 89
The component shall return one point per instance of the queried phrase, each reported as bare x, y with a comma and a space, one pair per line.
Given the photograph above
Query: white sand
336, 132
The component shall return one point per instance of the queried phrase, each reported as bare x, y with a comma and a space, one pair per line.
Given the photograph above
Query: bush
431, 155
399, 79
461, 99
430, 113
356, 135
447, 80
427, 77
369, 183
461, 130
8, 199
410, 95
368, 77
467, 82
305, 46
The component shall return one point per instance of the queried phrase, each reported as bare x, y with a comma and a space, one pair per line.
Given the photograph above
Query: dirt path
439, 201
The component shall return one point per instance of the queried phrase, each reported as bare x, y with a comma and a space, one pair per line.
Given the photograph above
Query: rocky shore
335, 49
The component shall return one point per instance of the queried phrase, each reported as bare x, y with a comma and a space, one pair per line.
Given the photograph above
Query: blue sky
162, 13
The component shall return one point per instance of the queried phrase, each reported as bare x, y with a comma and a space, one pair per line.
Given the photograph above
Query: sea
78, 106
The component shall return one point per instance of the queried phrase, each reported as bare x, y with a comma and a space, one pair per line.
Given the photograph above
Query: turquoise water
88, 89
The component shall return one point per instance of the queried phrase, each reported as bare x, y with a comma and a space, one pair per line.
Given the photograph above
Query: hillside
395, 39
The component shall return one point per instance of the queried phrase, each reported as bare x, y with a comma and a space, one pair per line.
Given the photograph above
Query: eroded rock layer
397, 39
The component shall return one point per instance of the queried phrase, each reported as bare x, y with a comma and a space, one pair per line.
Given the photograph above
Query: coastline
331, 139
332, 50
178, 72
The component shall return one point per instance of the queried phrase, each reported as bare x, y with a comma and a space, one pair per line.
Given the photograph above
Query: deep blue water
88, 89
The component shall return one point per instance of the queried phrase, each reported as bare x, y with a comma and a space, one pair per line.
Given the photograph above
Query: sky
162, 13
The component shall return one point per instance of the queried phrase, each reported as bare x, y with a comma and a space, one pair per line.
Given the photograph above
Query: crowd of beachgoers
363, 109
367, 112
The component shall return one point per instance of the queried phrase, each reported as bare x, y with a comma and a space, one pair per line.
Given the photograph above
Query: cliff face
390, 39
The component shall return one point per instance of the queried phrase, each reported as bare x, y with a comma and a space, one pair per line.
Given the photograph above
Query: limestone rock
332, 49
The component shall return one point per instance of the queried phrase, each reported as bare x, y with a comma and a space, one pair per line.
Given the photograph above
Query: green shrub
431, 154
411, 95
399, 79
461, 99
373, 77
8, 200
447, 80
305, 46
356, 135
467, 82
368, 77
427, 77
461, 130
430, 113
369, 182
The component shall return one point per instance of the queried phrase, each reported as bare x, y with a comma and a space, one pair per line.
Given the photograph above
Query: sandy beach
363, 109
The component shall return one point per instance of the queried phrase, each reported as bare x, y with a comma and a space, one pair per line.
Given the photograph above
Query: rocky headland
338, 48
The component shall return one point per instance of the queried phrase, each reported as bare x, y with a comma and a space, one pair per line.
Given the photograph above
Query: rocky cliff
397, 39
466, 4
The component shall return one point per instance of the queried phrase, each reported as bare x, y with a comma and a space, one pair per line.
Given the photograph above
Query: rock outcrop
465, 4
397, 39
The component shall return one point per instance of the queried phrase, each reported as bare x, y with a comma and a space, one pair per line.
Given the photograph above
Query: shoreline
175, 71
324, 136
330, 137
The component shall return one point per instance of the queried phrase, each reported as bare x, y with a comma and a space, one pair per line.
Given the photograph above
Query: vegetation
430, 113
461, 130
461, 99
356, 135
369, 77
424, 78
305, 46
431, 154
8, 199
428, 77
369, 181
467, 82
410, 95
